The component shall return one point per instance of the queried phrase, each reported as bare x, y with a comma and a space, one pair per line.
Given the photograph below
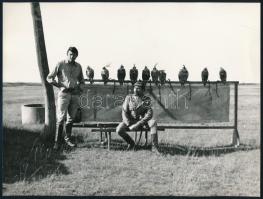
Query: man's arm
147, 116
142, 121
52, 75
125, 109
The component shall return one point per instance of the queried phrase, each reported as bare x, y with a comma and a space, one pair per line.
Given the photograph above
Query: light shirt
69, 74
136, 108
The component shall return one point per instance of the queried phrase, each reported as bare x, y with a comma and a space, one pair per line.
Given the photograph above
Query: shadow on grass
175, 149
26, 157
172, 149
116, 144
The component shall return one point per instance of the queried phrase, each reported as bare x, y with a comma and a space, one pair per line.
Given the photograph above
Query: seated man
136, 113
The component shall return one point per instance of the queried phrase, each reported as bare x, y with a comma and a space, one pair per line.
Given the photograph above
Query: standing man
70, 81
136, 113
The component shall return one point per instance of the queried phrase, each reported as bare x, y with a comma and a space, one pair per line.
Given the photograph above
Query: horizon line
41, 82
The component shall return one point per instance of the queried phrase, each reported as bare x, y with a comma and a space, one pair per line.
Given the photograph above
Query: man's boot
129, 140
58, 136
67, 138
154, 138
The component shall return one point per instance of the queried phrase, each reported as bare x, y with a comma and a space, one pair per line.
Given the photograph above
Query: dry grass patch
191, 163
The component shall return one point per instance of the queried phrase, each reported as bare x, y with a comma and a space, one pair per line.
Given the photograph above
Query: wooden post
50, 108
235, 137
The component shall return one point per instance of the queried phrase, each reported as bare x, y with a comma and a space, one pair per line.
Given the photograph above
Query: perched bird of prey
133, 74
105, 74
90, 74
183, 75
155, 75
121, 74
162, 76
204, 76
222, 74
145, 74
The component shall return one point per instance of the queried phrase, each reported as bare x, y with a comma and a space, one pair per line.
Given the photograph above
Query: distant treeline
6, 84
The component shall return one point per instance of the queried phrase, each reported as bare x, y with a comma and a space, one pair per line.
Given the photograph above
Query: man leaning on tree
70, 81
137, 113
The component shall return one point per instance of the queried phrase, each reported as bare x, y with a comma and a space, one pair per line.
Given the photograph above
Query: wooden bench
108, 130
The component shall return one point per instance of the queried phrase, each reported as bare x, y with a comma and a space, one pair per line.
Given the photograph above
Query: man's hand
55, 83
81, 87
135, 126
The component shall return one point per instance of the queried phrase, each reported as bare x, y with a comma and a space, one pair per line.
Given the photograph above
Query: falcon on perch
90, 74
121, 74
145, 74
155, 75
133, 74
105, 75
183, 75
222, 74
204, 76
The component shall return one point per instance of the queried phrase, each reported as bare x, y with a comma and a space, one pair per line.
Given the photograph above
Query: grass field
191, 162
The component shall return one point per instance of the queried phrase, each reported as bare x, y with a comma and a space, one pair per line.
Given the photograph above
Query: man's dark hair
74, 50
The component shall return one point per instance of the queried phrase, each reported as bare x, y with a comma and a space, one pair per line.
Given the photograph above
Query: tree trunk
50, 108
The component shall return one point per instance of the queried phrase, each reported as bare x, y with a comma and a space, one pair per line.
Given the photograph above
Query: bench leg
146, 138
135, 138
100, 136
106, 137
235, 138
109, 139
140, 136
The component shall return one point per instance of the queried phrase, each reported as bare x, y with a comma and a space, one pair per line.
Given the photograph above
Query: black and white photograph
131, 99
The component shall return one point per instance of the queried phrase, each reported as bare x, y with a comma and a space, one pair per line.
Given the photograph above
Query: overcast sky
198, 35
